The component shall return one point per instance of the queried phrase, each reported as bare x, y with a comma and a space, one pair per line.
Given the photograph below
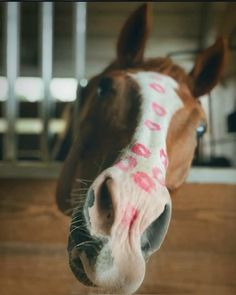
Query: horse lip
75, 247
77, 268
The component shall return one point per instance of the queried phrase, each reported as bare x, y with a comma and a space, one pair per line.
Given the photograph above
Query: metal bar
80, 38
30, 170
80, 50
46, 59
12, 68
37, 170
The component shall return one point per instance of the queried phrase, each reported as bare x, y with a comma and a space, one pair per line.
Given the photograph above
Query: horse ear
209, 67
133, 36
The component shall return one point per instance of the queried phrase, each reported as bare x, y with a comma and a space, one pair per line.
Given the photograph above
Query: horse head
137, 132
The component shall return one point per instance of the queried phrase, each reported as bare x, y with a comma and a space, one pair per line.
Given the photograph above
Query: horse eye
105, 86
201, 129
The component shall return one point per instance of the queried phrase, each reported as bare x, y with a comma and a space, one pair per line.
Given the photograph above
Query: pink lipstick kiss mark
144, 181
126, 163
130, 215
157, 174
140, 150
164, 158
157, 87
152, 125
158, 109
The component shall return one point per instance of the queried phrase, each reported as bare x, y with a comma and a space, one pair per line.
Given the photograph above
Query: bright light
83, 82
29, 88
64, 89
3, 88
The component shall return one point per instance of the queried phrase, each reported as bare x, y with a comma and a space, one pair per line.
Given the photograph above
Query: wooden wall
197, 257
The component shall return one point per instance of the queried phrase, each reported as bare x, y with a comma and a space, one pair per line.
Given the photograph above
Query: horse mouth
80, 241
97, 261
77, 268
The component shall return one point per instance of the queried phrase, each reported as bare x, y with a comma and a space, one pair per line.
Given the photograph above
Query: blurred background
47, 50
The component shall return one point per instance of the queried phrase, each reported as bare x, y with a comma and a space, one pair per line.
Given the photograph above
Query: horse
137, 129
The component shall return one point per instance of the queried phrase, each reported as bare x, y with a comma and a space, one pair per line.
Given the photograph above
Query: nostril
105, 206
154, 235
90, 199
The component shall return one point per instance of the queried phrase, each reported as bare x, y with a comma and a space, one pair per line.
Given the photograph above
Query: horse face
127, 209
136, 139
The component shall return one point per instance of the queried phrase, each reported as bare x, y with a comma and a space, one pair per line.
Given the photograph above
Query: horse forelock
163, 65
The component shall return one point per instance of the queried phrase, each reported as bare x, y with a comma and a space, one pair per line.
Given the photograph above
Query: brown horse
137, 127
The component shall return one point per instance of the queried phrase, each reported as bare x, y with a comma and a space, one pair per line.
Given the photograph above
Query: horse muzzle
122, 226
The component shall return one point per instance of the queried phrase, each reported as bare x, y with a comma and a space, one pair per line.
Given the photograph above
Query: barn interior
47, 50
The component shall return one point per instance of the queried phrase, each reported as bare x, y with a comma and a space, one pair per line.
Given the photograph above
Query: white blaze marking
159, 102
